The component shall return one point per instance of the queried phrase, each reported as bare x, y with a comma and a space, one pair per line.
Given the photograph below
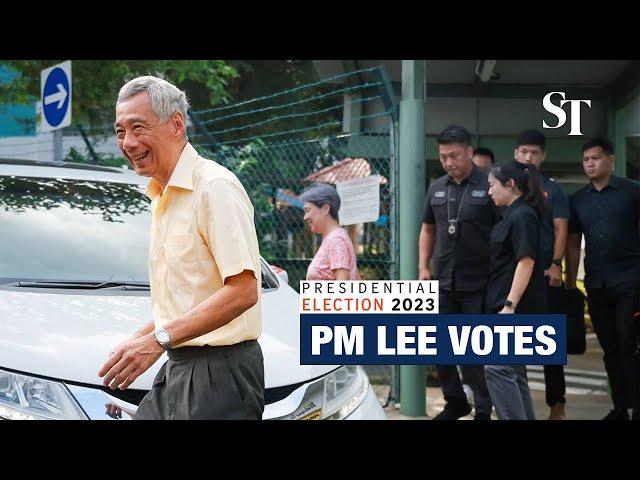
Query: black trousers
208, 383
473, 375
611, 311
554, 385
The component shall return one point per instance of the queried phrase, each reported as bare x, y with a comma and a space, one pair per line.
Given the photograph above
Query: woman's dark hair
526, 178
321, 194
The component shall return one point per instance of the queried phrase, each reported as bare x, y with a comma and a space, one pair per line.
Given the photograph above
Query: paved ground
587, 389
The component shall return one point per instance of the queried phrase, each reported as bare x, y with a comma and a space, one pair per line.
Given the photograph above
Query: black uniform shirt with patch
462, 263
516, 236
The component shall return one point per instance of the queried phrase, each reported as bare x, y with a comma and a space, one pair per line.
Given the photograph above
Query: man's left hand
130, 360
555, 275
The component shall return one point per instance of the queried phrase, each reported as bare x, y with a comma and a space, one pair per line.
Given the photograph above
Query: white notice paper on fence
359, 200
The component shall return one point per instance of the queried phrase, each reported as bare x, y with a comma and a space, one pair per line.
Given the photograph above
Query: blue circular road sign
55, 97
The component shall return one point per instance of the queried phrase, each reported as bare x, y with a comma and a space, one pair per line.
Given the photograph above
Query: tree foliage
95, 83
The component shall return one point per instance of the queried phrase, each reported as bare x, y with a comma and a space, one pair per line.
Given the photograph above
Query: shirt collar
508, 211
182, 175
613, 183
472, 178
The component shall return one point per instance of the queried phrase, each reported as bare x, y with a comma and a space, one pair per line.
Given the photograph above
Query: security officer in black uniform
531, 149
455, 233
607, 212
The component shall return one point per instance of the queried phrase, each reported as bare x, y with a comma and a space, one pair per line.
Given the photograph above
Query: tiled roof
347, 169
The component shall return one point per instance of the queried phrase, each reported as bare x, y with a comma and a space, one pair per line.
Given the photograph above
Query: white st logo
561, 114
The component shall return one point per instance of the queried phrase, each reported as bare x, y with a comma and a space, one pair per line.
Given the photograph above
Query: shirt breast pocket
499, 234
438, 202
181, 261
178, 240
477, 210
478, 201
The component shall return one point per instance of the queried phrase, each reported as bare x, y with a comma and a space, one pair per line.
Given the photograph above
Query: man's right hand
424, 274
130, 339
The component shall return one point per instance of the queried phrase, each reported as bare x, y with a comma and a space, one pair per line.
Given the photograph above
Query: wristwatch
557, 261
509, 304
162, 337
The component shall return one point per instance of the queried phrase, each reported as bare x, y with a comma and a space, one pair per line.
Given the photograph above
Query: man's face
596, 163
456, 159
483, 162
142, 137
530, 154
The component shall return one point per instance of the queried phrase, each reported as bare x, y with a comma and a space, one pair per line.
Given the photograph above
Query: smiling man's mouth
141, 156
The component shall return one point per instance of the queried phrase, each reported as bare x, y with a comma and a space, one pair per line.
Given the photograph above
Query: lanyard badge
453, 229
453, 222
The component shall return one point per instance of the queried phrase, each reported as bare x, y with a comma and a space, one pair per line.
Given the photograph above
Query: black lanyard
453, 222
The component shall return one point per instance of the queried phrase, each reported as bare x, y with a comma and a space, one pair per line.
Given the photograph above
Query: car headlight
29, 398
344, 391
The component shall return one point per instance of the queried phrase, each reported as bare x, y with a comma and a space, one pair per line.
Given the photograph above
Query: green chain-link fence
275, 174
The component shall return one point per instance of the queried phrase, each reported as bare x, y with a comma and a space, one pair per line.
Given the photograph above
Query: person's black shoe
482, 416
453, 411
617, 414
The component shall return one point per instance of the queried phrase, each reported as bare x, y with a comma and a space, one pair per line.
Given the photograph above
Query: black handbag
571, 303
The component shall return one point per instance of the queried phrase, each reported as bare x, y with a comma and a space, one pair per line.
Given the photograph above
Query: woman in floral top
336, 257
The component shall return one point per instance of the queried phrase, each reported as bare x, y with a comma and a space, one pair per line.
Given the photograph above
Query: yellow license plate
311, 416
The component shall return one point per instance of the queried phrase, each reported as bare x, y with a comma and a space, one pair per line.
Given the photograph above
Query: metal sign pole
57, 146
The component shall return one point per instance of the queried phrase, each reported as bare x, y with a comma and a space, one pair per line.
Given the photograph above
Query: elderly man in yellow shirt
204, 269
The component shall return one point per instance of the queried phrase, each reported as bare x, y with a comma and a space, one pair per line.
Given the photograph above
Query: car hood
69, 336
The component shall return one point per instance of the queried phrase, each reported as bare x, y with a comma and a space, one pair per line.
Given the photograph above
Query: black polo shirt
462, 263
609, 220
556, 206
516, 236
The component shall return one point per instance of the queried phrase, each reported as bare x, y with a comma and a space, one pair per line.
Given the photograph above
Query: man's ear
177, 124
515, 153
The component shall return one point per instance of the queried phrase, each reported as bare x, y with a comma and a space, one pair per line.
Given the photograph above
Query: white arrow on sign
60, 96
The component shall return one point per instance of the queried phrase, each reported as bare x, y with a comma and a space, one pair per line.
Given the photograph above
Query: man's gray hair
166, 98
321, 194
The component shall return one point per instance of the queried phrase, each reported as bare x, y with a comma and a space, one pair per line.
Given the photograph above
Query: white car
74, 283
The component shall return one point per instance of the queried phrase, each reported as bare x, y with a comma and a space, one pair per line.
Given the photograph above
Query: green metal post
411, 192
620, 141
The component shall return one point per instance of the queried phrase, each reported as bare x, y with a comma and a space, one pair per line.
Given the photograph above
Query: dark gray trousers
510, 392
208, 383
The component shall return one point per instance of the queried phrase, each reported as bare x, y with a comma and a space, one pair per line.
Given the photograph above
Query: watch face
162, 336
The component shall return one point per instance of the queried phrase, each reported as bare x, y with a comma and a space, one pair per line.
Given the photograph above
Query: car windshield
73, 230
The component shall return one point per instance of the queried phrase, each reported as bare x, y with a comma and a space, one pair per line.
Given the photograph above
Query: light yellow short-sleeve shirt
202, 232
